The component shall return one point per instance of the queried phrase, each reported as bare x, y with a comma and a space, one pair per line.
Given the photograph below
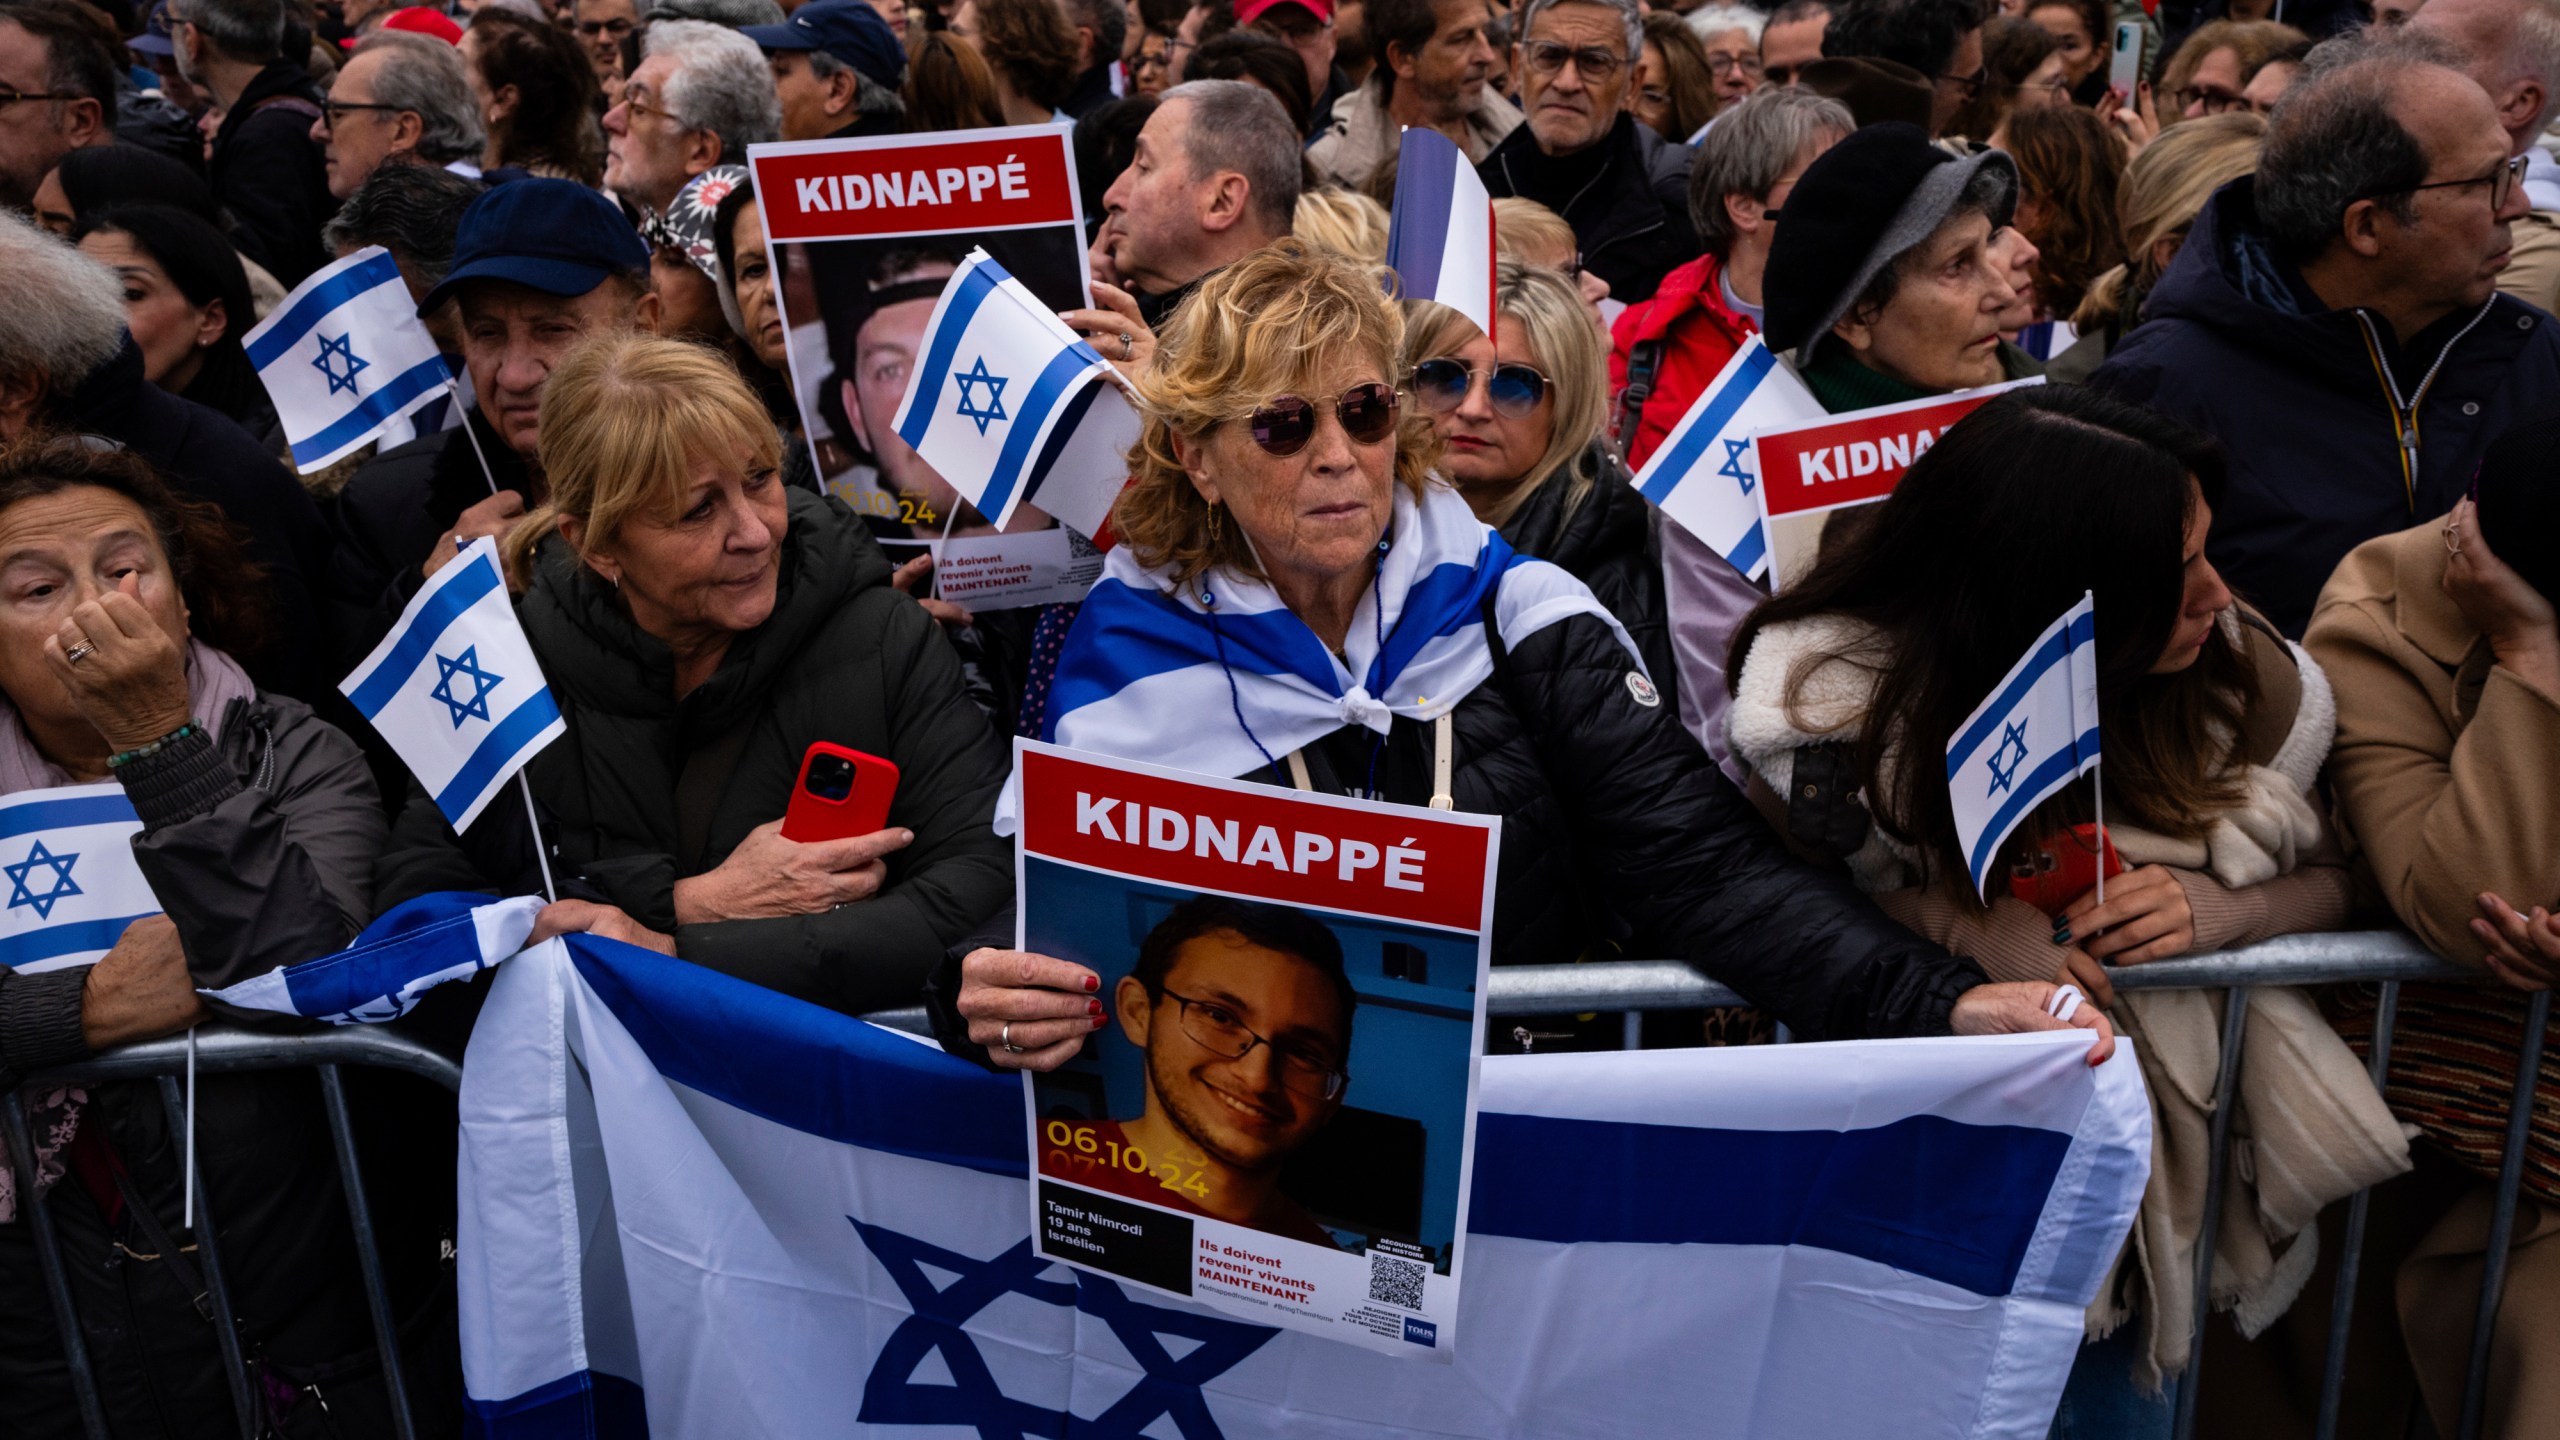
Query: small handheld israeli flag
2036, 733
1702, 477
455, 688
345, 356
1010, 405
1440, 230
415, 946
67, 854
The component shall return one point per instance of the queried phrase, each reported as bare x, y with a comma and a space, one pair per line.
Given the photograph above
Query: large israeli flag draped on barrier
416, 946
455, 688
345, 355
694, 1207
1010, 405
2036, 732
67, 857
1702, 476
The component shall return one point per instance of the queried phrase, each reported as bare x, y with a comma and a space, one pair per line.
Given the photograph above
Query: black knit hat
1868, 199
2519, 500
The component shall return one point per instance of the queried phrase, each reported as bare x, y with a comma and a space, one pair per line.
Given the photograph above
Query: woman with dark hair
2085, 33
537, 96
2022, 70
127, 613
949, 86
101, 177
186, 302
1030, 51
1257, 59
1675, 87
2068, 171
1850, 683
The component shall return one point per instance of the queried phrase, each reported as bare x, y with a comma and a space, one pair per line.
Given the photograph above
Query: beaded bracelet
116, 762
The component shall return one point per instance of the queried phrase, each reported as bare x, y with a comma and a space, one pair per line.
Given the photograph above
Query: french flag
1440, 233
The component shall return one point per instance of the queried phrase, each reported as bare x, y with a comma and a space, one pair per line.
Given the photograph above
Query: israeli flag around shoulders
692, 1206
455, 688
344, 356
414, 947
1009, 405
1703, 477
67, 854
1440, 229
2035, 733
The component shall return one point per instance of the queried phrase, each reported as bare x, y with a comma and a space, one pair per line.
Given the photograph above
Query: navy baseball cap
849, 30
154, 39
555, 236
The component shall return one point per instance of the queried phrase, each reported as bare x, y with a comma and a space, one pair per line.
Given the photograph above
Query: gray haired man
402, 100
699, 98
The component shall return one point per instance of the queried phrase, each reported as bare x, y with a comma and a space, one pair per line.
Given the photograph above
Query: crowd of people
2286, 273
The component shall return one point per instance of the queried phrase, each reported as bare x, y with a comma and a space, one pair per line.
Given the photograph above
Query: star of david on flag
427, 687
1050, 431
344, 357
67, 854
2034, 734
1712, 499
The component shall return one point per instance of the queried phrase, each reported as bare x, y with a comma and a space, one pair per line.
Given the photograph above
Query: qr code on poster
1395, 1282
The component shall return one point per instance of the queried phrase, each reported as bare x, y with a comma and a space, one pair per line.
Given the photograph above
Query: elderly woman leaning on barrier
1279, 529
2214, 732
2447, 657
122, 609
1519, 422
701, 624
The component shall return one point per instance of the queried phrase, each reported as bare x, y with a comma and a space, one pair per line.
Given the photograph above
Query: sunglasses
1367, 413
1440, 386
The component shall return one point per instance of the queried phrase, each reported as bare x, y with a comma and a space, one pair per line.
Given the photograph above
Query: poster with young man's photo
1276, 1117
863, 234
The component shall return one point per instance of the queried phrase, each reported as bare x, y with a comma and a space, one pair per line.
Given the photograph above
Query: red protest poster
1814, 467
860, 236
1277, 1117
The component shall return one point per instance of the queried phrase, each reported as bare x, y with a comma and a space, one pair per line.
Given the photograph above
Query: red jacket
1698, 334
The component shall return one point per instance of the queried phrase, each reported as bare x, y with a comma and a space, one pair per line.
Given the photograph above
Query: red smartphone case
2064, 868
818, 814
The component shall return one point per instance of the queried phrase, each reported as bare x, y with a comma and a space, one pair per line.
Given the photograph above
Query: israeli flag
1010, 405
415, 946
2037, 732
1704, 478
344, 356
455, 688
67, 854
1440, 229
692, 1206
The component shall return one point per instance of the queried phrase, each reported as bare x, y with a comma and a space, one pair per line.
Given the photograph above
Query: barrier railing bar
217, 1290
57, 1285
223, 1048
2502, 1221
2342, 1304
2235, 1022
386, 1332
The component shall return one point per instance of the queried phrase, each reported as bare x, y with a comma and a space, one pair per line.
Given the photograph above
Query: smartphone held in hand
841, 793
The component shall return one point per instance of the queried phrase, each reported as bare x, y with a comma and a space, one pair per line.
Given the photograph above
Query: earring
1216, 527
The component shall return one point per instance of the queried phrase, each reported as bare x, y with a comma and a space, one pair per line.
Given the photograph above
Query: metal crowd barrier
1631, 987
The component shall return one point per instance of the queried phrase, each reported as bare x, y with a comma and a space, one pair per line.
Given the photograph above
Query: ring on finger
1128, 345
79, 652
1004, 1037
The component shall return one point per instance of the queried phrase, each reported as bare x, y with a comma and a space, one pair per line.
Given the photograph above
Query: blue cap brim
152, 45
779, 37
565, 278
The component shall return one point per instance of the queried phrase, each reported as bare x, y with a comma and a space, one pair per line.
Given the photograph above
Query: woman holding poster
1299, 601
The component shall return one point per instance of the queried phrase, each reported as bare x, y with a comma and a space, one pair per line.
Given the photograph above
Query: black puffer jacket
1610, 540
845, 658
260, 849
269, 173
1618, 830
1627, 199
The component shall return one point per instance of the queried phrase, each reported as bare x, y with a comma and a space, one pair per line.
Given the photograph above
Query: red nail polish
1092, 983
1097, 1022
1093, 1008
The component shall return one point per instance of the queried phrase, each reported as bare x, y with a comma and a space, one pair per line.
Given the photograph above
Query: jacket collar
101, 403
2419, 606
1609, 517
457, 483
1697, 286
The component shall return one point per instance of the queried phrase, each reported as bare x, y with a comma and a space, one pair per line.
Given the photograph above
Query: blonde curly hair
1269, 325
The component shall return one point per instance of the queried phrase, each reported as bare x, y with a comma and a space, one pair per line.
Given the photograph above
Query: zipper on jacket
2404, 413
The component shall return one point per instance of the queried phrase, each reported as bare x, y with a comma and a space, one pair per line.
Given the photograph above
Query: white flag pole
524, 787
187, 1182
2097, 772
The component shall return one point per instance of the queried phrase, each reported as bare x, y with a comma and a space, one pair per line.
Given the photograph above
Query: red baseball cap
418, 20
1248, 11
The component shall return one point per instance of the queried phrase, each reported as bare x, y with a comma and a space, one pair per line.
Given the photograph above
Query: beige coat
1361, 134
2447, 774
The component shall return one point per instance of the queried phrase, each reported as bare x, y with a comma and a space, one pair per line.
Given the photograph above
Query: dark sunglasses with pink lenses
1367, 412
